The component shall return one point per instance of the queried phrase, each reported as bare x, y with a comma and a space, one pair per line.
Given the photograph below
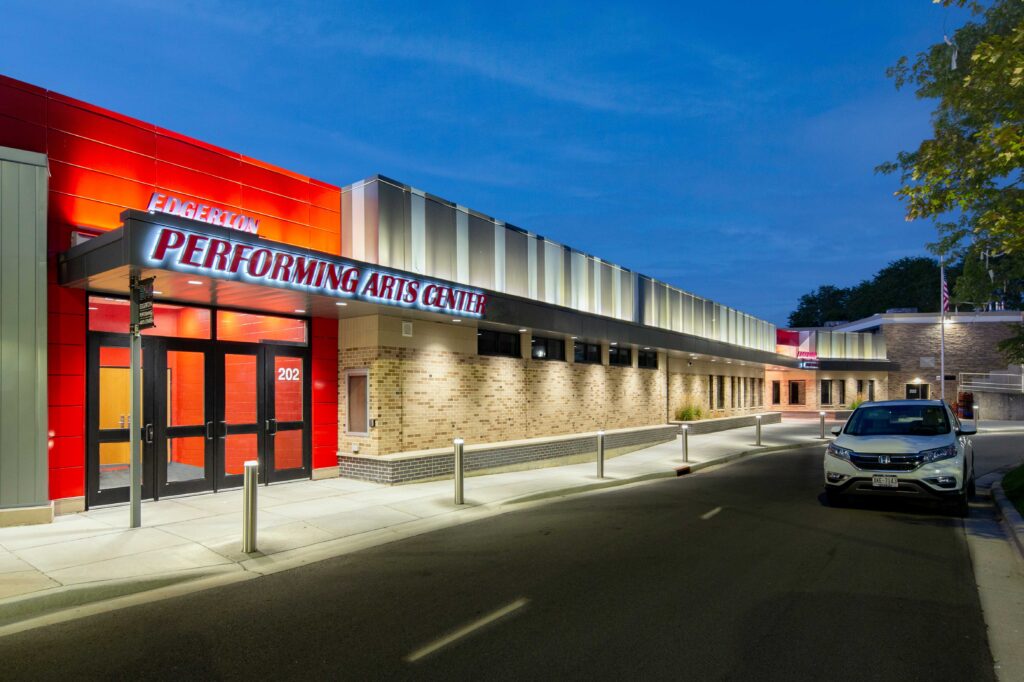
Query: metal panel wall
402, 227
23, 416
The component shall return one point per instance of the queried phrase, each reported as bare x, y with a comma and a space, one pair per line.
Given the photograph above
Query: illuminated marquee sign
172, 205
186, 251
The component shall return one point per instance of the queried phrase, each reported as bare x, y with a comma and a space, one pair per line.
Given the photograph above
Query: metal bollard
600, 454
977, 416
250, 485
686, 443
821, 420
758, 417
460, 473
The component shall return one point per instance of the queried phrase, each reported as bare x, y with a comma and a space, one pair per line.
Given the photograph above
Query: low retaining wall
494, 457
725, 423
1000, 406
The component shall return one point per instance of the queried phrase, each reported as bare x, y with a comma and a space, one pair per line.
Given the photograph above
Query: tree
818, 307
903, 283
968, 176
1012, 347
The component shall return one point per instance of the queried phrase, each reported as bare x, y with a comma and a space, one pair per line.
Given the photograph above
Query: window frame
586, 348
548, 341
649, 355
617, 352
517, 351
349, 373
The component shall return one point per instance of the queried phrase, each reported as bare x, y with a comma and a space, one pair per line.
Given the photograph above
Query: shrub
857, 400
1013, 486
689, 413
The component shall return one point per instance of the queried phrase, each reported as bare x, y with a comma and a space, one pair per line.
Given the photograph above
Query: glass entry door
108, 418
287, 421
208, 407
184, 442
241, 411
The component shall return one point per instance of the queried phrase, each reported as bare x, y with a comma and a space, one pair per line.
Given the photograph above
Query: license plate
885, 482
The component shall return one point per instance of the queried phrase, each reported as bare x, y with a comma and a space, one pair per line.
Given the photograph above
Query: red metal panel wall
325, 392
102, 163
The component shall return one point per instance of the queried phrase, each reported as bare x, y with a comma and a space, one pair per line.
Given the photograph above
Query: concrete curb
61, 604
1011, 517
70, 602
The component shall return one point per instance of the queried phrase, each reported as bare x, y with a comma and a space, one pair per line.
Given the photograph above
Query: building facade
320, 329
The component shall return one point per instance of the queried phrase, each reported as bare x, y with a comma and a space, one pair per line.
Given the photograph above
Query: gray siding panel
23, 414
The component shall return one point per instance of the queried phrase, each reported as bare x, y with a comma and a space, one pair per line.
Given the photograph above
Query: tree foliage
1012, 347
903, 283
968, 176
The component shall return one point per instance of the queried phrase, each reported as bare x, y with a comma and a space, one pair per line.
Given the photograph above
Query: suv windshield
898, 420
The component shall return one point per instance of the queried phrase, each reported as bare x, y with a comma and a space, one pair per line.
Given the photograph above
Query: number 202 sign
289, 374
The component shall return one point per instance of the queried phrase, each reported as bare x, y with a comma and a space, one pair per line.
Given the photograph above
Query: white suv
914, 449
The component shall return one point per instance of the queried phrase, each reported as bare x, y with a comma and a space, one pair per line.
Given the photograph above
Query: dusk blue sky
725, 147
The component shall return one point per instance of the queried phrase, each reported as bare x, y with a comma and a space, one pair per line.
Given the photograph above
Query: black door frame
273, 426
95, 436
154, 449
164, 431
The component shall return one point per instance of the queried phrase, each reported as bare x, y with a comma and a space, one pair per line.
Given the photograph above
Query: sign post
141, 318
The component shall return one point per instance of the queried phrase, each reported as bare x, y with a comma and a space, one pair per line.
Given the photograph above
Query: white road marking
465, 630
711, 513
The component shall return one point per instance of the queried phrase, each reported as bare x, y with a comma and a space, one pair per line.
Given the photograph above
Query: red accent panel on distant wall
325, 392
102, 163
785, 337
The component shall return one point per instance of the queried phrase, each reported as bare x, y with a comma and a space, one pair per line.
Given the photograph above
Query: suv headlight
836, 451
935, 454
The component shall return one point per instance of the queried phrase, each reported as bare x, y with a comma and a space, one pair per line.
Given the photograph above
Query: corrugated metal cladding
401, 227
23, 457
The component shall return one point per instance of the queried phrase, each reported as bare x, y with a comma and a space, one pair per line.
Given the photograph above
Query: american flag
945, 292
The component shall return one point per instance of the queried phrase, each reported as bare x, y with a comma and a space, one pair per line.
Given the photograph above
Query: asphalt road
644, 582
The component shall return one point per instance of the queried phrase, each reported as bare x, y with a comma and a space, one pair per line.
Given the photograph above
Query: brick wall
970, 347
810, 388
501, 456
436, 388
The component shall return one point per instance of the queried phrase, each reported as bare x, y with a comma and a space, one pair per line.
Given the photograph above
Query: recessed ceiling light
522, 330
575, 337
456, 320
341, 303
93, 308
299, 310
157, 293
194, 281
647, 347
614, 343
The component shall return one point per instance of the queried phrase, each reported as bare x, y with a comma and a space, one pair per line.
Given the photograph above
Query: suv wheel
833, 497
962, 507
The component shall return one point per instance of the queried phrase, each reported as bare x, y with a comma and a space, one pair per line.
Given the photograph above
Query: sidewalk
82, 558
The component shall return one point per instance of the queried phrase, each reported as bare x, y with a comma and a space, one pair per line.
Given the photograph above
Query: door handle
271, 426
223, 429
120, 421
209, 430
149, 433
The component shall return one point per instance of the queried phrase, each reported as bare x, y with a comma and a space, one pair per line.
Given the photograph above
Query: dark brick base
481, 459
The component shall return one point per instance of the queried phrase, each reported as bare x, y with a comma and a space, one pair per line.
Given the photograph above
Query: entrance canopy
194, 262
198, 263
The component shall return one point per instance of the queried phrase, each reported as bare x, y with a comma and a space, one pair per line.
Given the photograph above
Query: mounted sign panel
149, 243
142, 308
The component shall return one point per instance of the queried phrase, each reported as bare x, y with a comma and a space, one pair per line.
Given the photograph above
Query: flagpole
942, 326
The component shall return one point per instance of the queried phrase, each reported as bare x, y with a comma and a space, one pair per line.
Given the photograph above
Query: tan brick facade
432, 387
970, 347
809, 389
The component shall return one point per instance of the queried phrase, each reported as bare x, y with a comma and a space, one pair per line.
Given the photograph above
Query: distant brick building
913, 340
899, 358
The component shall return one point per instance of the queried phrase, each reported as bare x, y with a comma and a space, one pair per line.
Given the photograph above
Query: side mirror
836, 430
965, 430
